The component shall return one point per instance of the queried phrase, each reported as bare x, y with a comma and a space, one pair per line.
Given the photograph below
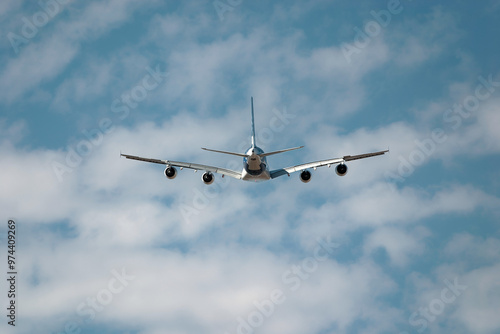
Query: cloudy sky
404, 243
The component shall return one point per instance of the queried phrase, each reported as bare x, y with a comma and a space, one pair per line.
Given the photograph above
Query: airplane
255, 167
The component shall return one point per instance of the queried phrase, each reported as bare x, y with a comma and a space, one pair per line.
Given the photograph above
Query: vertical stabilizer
253, 126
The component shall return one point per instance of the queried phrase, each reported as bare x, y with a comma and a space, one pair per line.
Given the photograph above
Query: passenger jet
255, 167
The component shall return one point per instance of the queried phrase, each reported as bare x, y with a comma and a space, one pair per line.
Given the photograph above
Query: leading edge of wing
223, 171
285, 171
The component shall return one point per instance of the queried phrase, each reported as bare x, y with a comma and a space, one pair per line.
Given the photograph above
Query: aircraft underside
261, 176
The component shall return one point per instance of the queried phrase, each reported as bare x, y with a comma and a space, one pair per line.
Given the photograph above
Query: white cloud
381, 205
9, 5
481, 303
473, 249
476, 134
429, 38
84, 86
399, 245
32, 192
207, 288
43, 60
38, 62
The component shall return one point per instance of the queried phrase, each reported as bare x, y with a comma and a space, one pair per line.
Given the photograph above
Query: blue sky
404, 243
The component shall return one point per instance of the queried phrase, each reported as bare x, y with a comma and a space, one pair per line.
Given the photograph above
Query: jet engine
208, 178
305, 176
170, 172
341, 170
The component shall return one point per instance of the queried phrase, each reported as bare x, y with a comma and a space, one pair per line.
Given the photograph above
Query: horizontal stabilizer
225, 152
280, 151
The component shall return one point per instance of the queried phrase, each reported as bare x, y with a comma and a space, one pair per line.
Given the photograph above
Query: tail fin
253, 126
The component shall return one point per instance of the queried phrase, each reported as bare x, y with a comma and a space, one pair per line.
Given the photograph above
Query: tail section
253, 126
254, 144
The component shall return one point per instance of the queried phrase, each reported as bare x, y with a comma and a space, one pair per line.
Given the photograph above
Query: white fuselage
254, 167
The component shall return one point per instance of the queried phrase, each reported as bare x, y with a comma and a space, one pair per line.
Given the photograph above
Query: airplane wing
286, 171
223, 171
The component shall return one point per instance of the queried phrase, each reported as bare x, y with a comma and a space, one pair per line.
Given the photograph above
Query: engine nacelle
305, 176
208, 178
341, 170
170, 172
